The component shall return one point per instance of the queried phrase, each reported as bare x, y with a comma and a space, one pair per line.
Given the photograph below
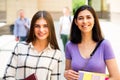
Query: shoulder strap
25, 19
92, 54
70, 18
96, 47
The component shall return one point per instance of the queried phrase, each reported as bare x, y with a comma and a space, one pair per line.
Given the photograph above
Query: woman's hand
71, 75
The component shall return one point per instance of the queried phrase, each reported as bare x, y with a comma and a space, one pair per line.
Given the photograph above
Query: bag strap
92, 53
96, 47
70, 18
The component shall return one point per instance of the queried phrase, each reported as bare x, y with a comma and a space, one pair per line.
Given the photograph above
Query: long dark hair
52, 36
75, 35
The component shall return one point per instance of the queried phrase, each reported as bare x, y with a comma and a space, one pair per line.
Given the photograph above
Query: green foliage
90, 2
76, 4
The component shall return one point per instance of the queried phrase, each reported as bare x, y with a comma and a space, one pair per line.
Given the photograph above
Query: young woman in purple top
84, 37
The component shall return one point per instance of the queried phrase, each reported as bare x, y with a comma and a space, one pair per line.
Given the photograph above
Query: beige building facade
8, 8
11, 7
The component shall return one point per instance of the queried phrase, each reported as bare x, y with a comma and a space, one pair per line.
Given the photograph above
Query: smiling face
41, 29
85, 21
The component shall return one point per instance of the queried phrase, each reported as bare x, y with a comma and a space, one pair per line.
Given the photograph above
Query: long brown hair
52, 36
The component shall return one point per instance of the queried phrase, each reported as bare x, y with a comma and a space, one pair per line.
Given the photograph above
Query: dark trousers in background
64, 39
23, 38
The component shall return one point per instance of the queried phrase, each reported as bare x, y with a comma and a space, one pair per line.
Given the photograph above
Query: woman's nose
41, 28
85, 20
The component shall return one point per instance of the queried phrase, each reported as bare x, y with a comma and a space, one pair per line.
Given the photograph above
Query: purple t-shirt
96, 62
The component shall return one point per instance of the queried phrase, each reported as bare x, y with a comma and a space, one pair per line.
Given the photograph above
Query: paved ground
110, 31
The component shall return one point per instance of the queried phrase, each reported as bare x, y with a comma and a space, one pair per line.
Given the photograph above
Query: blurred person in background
65, 24
21, 26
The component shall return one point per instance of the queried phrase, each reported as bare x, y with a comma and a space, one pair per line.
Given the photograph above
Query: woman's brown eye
88, 17
80, 18
36, 26
45, 25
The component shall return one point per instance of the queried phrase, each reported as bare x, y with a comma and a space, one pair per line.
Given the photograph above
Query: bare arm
70, 74
113, 69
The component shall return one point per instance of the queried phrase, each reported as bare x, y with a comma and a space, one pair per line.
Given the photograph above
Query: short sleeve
108, 50
67, 51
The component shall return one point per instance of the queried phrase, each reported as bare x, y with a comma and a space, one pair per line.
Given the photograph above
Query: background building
9, 8
106, 9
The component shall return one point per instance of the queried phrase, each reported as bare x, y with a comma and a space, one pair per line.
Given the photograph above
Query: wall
54, 7
32, 6
2, 5
2, 10
114, 10
96, 5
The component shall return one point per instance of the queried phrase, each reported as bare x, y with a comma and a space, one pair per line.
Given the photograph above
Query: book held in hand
31, 77
83, 75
